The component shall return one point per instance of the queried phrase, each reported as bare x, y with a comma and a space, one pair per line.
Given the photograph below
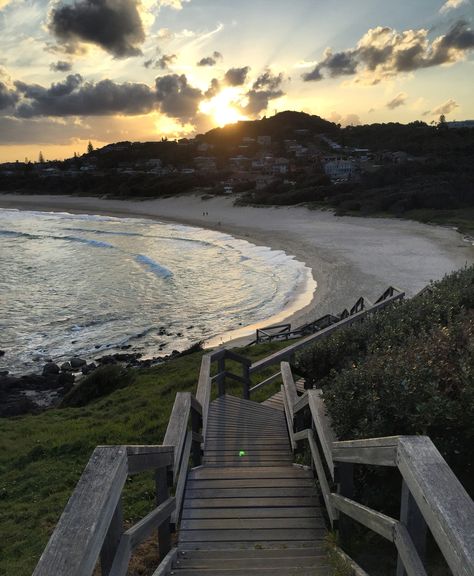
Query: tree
90, 148
41, 158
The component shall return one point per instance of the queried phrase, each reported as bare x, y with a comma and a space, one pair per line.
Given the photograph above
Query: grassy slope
42, 457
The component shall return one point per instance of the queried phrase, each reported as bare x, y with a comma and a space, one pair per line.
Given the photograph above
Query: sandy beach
349, 256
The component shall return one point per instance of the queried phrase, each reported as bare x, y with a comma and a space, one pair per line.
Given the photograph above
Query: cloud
60, 66
8, 96
265, 88
176, 4
114, 25
4, 3
452, 5
213, 89
236, 76
383, 53
268, 80
348, 120
74, 97
161, 63
176, 97
210, 60
446, 108
399, 100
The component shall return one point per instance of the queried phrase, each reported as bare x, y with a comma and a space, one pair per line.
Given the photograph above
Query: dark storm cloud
60, 66
236, 76
383, 53
73, 97
8, 96
176, 97
114, 25
210, 60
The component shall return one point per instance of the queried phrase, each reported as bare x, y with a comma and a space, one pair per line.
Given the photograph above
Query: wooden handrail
289, 351
437, 496
91, 516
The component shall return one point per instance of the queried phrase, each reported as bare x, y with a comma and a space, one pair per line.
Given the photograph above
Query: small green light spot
242, 453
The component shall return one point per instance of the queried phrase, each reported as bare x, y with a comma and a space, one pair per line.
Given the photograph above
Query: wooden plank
290, 563
323, 483
407, 552
166, 564
250, 535
112, 540
74, 547
376, 521
323, 426
445, 505
142, 458
289, 385
374, 451
122, 557
250, 483
296, 502
284, 354
177, 427
263, 383
301, 403
203, 392
256, 472
260, 544
275, 513
250, 523
183, 474
143, 529
270, 492
289, 419
195, 405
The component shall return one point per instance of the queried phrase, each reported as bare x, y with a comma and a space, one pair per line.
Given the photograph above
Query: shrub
99, 383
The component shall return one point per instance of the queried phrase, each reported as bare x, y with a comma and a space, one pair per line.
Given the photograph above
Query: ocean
91, 285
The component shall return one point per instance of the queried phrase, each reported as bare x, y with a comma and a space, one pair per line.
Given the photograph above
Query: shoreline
348, 257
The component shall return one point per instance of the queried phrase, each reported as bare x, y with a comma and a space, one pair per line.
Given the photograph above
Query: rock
66, 367
36, 381
50, 368
4, 373
10, 383
97, 346
106, 360
16, 405
179, 334
88, 368
77, 362
2, 353
65, 380
125, 347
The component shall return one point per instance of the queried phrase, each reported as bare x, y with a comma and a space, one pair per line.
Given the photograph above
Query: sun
224, 107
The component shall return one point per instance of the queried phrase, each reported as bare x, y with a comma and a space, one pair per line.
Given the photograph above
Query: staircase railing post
412, 518
221, 377
345, 479
112, 539
247, 384
162, 480
196, 426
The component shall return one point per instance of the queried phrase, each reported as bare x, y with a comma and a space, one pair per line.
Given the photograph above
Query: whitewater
88, 285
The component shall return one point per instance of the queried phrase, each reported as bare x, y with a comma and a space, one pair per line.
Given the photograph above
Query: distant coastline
349, 256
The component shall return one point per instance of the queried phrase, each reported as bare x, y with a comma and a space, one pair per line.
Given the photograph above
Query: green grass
43, 456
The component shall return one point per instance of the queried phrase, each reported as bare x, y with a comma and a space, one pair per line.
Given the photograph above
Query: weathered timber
412, 519
374, 451
326, 491
323, 426
183, 474
407, 553
376, 521
87, 516
290, 386
177, 427
143, 529
446, 507
142, 458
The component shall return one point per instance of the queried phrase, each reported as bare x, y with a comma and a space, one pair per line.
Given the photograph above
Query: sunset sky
111, 70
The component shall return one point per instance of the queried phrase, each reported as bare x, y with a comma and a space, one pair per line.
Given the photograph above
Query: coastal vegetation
42, 456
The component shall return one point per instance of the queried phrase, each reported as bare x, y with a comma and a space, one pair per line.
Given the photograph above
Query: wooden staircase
248, 509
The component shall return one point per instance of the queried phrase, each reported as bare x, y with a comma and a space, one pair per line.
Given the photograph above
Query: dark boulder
66, 367
50, 368
77, 362
2, 353
88, 368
